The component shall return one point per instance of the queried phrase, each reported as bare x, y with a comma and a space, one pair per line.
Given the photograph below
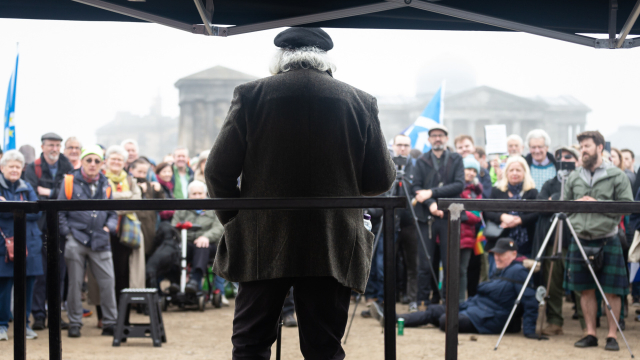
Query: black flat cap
297, 37
504, 244
51, 136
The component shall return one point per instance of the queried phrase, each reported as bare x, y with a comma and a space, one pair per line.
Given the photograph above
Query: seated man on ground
201, 243
487, 312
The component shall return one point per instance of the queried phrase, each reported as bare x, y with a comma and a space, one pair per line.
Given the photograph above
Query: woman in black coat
516, 184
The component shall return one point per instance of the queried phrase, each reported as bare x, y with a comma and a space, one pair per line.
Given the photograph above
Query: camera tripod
398, 183
557, 224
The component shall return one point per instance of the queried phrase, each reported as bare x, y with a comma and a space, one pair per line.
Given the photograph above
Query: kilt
612, 277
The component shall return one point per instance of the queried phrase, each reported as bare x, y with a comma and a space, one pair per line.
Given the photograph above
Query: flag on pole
431, 115
9, 111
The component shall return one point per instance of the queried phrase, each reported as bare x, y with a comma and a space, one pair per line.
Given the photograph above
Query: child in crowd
472, 190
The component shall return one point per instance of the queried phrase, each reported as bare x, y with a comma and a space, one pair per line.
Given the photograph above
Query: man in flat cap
298, 133
45, 175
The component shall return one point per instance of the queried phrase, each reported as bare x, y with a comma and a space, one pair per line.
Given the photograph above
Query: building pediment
216, 73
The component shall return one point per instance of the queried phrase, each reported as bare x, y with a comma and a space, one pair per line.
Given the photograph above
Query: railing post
53, 285
389, 285
453, 286
20, 284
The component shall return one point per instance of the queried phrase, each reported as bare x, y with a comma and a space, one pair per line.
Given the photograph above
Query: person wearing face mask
45, 175
12, 188
150, 190
439, 173
516, 184
551, 191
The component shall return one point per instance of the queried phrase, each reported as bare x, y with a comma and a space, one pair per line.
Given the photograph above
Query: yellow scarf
119, 183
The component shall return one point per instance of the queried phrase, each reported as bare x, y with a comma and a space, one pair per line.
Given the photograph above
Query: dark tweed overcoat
298, 134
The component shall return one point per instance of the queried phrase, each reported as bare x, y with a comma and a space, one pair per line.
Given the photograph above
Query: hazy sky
74, 76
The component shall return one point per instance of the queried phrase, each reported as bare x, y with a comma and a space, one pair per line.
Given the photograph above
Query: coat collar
22, 185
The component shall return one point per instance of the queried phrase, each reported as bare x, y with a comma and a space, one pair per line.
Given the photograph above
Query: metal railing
52, 207
452, 208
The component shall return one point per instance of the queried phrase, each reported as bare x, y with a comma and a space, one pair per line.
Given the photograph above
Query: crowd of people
103, 252
497, 249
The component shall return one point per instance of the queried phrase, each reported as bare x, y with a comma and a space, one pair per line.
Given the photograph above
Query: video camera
401, 163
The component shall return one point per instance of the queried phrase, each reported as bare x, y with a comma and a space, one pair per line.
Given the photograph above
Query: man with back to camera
597, 180
439, 173
298, 133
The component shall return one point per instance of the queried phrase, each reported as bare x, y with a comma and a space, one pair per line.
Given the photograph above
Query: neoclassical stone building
205, 98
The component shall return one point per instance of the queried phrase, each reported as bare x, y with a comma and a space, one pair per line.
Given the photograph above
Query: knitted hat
470, 162
92, 150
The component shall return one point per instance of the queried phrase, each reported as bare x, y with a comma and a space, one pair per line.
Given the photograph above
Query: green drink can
400, 327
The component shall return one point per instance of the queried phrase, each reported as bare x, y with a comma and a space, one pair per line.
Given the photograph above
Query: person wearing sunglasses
87, 236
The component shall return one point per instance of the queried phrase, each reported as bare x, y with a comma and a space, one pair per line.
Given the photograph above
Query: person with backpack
45, 175
87, 236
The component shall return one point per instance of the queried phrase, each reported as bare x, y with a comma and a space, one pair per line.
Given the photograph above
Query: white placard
496, 139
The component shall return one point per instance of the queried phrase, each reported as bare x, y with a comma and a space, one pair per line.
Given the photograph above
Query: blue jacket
87, 226
11, 192
490, 308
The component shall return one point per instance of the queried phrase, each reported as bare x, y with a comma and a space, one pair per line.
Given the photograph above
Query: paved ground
196, 335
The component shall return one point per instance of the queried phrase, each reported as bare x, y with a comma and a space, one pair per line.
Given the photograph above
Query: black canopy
564, 16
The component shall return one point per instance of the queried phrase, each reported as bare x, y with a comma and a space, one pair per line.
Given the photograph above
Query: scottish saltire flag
431, 115
634, 272
9, 111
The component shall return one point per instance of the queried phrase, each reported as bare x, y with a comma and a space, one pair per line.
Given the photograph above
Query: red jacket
468, 227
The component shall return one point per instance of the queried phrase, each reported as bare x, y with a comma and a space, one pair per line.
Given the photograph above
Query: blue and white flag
9, 111
431, 115
634, 272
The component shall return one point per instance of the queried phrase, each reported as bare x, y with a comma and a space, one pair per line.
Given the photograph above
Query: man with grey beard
439, 173
45, 175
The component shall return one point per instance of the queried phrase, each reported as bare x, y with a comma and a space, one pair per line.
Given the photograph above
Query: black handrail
52, 207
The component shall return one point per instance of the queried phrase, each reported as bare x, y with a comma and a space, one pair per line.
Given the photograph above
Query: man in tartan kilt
597, 180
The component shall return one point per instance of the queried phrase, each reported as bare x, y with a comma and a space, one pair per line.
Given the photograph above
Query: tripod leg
595, 278
358, 297
526, 282
279, 338
421, 238
553, 251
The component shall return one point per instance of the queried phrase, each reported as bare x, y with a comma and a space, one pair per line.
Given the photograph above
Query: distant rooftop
218, 73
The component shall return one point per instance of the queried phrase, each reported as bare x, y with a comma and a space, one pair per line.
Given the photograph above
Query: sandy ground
196, 335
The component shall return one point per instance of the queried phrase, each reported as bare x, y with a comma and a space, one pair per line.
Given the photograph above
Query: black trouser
408, 240
121, 254
438, 230
38, 306
321, 304
473, 275
435, 315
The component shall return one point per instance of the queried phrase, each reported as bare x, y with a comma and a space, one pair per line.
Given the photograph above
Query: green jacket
211, 226
608, 183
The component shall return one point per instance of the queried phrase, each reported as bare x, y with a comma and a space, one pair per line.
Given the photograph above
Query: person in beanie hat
469, 219
87, 240
488, 311
339, 151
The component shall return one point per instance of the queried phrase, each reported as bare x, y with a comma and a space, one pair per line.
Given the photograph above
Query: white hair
539, 134
132, 142
118, 150
12, 155
72, 138
308, 57
196, 183
516, 138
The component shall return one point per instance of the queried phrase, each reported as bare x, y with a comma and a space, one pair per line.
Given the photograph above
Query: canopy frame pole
613, 15
631, 20
497, 22
206, 13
